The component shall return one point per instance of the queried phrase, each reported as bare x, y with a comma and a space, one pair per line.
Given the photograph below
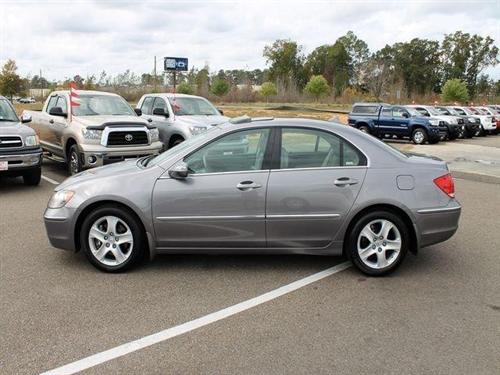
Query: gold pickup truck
101, 129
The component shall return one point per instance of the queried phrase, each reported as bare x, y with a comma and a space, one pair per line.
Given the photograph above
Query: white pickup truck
101, 130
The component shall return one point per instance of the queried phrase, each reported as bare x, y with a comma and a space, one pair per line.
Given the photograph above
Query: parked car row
102, 128
424, 124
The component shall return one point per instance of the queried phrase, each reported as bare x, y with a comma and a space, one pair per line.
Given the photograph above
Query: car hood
15, 128
114, 171
99, 121
201, 120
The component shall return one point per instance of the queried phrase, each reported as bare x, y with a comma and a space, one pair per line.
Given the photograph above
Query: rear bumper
437, 224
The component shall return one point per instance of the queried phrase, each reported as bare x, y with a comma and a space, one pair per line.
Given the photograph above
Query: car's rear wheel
378, 243
419, 136
364, 129
112, 239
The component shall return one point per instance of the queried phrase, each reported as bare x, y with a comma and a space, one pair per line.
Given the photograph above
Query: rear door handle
248, 185
345, 181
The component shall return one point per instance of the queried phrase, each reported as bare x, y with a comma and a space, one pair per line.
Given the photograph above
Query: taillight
446, 184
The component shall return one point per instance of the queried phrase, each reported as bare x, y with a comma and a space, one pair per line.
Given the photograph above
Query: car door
385, 121
401, 121
312, 188
163, 123
59, 123
47, 133
221, 204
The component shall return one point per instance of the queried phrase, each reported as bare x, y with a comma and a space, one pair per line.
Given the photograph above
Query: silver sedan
298, 186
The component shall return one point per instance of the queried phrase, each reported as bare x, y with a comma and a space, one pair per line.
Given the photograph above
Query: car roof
84, 92
370, 104
172, 95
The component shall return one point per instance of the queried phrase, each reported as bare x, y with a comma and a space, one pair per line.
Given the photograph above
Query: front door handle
248, 185
345, 181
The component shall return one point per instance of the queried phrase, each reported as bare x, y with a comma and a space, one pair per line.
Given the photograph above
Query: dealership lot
438, 313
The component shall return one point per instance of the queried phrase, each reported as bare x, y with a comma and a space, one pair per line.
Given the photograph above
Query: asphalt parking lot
439, 313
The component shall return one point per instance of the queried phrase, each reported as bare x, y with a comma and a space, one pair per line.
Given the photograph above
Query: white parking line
54, 182
178, 330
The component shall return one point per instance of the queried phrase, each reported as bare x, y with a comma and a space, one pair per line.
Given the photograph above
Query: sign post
174, 65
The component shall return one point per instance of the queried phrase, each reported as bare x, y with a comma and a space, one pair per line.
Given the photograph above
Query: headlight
154, 134
32, 140
197, 129
60, 198
92, 134
434, 122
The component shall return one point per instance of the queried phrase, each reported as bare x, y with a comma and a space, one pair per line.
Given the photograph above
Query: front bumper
437, 224
60, 228
22, 160
97, 156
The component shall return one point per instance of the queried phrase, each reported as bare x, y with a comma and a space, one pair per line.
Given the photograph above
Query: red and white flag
74, 98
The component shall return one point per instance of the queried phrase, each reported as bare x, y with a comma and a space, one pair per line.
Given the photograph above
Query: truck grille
125, 138
10, 142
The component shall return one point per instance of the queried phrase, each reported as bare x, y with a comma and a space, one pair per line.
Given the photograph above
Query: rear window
366, 109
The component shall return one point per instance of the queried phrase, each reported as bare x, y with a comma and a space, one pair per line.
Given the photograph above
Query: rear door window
307, 148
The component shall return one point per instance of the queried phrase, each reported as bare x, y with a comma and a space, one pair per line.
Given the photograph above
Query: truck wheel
365, 129
419, 136
32, 177
74, 161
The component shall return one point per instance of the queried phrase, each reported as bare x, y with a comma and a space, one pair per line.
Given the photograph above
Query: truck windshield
433, 111
7, 114
94, 105
184, 106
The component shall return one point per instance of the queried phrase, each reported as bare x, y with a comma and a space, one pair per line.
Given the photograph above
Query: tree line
345, 69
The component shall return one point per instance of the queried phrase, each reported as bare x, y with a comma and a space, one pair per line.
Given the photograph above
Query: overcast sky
64, 38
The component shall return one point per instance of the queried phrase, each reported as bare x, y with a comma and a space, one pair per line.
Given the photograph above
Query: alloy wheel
111, 241
379, 244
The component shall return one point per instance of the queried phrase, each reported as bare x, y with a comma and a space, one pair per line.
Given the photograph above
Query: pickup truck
179, 116
20, 152
102, 129
455, 124
383, 120
472, 124
487, 123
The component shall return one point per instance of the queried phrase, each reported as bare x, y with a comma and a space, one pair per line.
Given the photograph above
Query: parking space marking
178, 330
53, 182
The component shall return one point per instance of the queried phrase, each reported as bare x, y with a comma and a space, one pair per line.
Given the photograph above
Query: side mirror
25, 118
57, 111
138, 111
220, 111
406, 115
179, 172
160, 112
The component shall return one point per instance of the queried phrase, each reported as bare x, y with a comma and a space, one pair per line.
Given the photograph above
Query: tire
32, 177
174, 142
419, 136
100, 246
364, 129
376, 258
74, 161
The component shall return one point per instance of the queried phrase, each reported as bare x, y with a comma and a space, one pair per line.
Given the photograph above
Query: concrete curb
478, 177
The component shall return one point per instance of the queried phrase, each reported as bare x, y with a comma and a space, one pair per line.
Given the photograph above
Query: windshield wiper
146, 159
7, 120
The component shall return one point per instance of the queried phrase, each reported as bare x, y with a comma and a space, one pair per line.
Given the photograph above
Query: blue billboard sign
176, 64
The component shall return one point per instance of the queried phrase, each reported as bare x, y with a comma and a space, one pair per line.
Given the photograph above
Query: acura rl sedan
297, 187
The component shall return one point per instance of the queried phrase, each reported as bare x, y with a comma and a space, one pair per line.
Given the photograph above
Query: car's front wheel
419, 136
74, 161
33, 176
378, 243
112, 239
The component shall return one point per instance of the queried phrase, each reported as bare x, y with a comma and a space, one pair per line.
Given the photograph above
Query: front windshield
433, 111
7, 114
94, 105
181, 147
186, 106
413, 112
